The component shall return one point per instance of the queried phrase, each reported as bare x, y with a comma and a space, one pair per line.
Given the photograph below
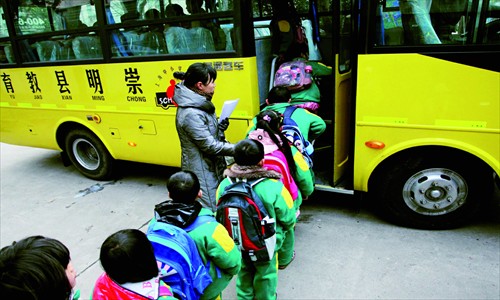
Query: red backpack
247, 221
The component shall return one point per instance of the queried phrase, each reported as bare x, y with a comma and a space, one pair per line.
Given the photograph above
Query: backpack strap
256, 198
289, 110
199, 221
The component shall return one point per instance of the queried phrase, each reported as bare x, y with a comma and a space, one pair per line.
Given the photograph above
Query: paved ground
343, 250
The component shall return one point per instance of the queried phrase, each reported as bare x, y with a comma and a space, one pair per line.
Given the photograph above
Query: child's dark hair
29, 271
270, 121
52, 247
199, 72
128, 256
278, 94
248, 152
183, 187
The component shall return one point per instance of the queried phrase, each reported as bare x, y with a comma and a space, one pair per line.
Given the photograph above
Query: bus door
342, 93
332, 149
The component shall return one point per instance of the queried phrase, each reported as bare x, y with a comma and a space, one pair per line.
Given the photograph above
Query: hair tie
267, 118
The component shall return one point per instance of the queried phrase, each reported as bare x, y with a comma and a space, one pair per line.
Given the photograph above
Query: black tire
89, 155
430, 191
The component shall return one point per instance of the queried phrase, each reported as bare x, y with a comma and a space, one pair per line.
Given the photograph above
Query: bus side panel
441, 102
127, 105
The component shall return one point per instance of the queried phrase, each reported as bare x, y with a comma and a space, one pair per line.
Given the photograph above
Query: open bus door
333, 161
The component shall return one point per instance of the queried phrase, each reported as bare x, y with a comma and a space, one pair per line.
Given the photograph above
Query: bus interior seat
66, 50
201, 40
121, 42
146, 43
177, 39
229, 39
48, 50
86, 47
9, 54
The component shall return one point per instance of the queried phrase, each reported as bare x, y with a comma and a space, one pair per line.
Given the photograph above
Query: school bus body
408, 101
136, 126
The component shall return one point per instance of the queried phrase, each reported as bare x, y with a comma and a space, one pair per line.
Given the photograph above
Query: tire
430, 192
89, 155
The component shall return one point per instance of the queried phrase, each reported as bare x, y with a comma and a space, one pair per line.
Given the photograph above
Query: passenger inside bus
428, 22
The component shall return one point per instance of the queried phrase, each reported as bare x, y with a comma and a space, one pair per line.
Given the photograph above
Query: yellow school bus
412, 107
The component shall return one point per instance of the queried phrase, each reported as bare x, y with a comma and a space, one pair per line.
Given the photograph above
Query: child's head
59, 251
184, 187
271, 121
278, 94
248, 152
128, 256
35, 268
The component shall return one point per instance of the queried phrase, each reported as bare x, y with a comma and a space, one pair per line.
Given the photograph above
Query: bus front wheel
430, 192
89, 155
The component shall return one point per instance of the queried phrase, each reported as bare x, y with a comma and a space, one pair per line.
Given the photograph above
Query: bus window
392, 26
168, 27
345, 36
3, 25
75, 14
33, 17
492, 25
138, 41
53, 50
6, 55
87, 47
428, 22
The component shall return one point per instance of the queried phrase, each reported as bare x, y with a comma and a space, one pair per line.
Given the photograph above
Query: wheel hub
435, 191
86, 154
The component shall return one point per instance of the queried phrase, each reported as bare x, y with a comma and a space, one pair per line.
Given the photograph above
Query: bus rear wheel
89, 155
431, 192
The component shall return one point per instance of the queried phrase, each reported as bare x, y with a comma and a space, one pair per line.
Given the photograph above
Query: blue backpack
181, 265
292, 132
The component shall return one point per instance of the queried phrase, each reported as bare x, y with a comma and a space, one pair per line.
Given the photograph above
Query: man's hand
224, 124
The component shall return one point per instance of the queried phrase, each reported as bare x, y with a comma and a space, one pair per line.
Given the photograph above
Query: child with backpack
311, 125
257, 210
290, 163
214, 245
130, 269
305, 92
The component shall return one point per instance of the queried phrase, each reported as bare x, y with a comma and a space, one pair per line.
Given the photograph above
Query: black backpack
246, 219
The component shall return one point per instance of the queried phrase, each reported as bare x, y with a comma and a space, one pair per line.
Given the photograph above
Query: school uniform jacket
215, 245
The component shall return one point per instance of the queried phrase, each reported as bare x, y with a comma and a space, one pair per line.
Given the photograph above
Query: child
311, 126
297, 177
308, 98
37, 268
259, 280
130, 269
211, 238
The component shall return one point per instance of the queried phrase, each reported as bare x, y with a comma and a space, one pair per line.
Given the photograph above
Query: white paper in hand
228, 108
